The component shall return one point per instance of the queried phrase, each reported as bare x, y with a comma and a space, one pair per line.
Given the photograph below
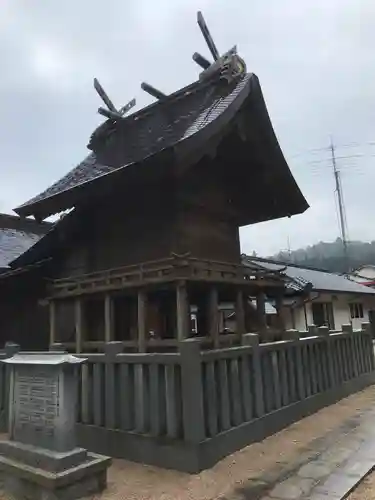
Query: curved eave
284, 197
86, 191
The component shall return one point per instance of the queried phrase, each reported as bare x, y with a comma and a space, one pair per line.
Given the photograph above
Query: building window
356, 310
193, 324
323, 314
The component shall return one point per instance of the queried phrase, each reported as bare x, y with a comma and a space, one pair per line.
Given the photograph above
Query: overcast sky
314, 58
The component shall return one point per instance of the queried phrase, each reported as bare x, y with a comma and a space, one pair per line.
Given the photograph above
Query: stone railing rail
188, 409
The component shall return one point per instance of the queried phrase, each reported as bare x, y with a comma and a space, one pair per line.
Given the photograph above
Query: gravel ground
365, 490
127, 480
139, 482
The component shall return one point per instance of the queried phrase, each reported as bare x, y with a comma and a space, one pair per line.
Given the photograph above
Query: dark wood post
240, 313
78, 314
108, 318
183, 311
261, 310
213, 315
279, 306
142, 313
52, 322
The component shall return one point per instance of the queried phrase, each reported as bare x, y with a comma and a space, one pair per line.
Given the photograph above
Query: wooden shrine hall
149, 238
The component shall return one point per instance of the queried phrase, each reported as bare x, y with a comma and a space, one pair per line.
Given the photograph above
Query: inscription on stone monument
41, 459
36, 402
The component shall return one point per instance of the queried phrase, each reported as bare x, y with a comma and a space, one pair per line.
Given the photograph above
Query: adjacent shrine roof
17, 236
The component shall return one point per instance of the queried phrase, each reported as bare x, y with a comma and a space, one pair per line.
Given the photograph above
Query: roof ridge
143, 112
288, 264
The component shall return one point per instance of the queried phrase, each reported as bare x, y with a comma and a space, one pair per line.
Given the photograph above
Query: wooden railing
163, 270
151, 345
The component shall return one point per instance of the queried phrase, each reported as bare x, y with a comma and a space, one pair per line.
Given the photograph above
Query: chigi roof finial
111, 112
228, 66
158, 94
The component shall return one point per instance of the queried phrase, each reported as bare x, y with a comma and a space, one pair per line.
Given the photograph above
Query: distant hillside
329, 256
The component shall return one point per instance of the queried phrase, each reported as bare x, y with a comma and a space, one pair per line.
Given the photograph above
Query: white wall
341, 311
299, 322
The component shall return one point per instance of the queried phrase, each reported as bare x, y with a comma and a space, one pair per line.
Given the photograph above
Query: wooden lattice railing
162, 270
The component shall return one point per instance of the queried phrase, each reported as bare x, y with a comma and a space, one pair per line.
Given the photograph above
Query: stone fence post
313, 330
252, 339
192, 390
111, 350
372, 323
367, 330
57, 347
347, 328
10, 349
366, 327
323, 331
294, 335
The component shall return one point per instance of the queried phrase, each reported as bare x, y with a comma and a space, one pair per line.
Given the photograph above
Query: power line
343, 157
327, 148
315, 162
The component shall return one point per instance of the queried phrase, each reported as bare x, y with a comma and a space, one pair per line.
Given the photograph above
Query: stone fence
187, 410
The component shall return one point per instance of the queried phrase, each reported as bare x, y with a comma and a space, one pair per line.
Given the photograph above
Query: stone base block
23, 481
42, 458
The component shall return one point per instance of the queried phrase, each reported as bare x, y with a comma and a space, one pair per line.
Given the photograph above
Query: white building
364, 275
316, 297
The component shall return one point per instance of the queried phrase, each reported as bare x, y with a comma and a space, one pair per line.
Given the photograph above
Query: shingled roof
319, 280
17, 236
182, 122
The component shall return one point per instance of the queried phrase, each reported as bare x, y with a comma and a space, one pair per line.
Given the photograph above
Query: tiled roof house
16, 236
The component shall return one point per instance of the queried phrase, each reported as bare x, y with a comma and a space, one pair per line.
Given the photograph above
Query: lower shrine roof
17, 236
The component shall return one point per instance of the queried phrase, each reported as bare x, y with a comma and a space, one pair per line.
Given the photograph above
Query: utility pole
340, 199
289, 250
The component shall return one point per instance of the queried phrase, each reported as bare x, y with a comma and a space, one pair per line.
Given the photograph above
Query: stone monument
41, 460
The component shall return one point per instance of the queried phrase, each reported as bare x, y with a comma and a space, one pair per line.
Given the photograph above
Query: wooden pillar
240, 312
279, 306
108, 318
183, 311
261, 310
78, 324
52, 322
142, 316
213, 316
